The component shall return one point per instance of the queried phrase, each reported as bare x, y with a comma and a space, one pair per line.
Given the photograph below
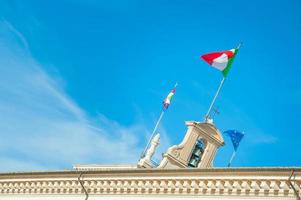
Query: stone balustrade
185, 182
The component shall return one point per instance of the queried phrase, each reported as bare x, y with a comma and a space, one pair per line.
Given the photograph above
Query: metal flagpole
233, 155
155, 128
214, 99
218, 90
153, 133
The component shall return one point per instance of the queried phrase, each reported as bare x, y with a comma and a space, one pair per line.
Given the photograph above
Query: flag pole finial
214, 99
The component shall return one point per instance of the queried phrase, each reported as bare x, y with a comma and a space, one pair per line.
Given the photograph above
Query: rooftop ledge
131, 169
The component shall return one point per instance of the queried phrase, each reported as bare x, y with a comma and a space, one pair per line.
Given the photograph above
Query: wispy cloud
16, 33
256, 138
41, 127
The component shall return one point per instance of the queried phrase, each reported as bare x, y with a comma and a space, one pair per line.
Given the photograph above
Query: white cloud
41, 127
258, 138
18, 35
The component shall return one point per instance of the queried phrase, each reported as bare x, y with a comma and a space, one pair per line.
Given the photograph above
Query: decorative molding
179, 156
159, 182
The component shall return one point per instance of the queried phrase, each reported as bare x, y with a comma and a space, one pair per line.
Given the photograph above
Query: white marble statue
146, 160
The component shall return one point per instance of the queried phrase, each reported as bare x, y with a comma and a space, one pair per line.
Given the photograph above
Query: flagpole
218, 90
214, 99
156, 127
153, 133
233, 155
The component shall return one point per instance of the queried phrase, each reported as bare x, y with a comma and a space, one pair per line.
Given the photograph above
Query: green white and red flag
221, 60
167, 100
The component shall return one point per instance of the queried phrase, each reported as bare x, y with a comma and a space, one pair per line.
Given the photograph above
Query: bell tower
197, 149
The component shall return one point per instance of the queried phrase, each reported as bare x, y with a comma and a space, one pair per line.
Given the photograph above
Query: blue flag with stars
235, 136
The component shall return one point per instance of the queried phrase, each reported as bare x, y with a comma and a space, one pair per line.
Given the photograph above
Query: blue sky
83, 81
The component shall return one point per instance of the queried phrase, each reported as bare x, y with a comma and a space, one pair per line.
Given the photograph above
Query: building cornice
262, 182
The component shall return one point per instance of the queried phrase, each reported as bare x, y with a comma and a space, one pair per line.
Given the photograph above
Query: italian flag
221, 60
167, 100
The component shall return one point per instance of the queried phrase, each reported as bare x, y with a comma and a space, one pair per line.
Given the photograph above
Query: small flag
235, 136
221, 60
167, 100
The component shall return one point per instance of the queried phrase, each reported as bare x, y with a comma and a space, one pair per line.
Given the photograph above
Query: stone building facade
185, 172
133, 183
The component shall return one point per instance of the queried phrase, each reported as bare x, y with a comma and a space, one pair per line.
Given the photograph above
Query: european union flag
235, 136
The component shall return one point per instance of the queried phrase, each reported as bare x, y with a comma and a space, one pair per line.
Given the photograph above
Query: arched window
197, 153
